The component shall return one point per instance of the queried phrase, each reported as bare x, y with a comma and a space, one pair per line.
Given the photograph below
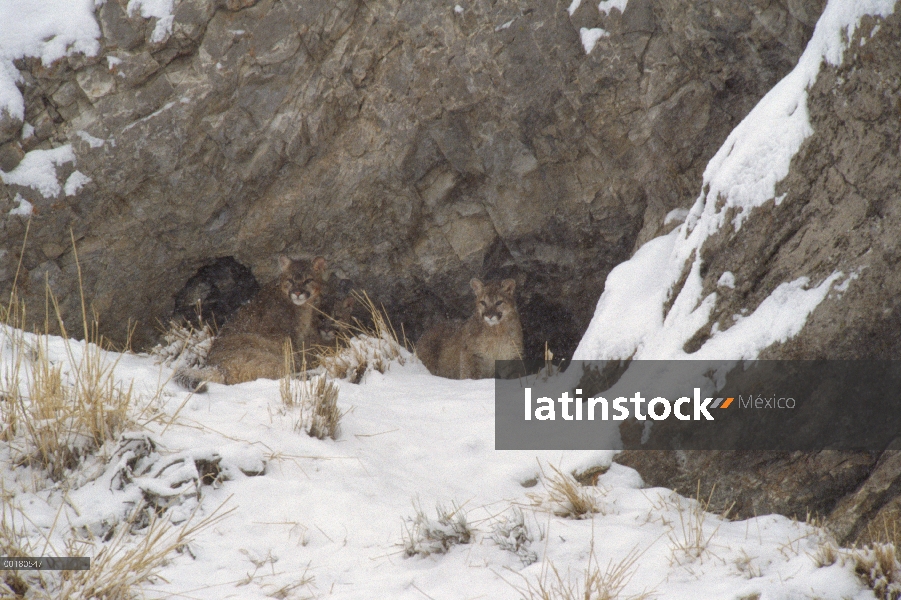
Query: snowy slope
330, 517
629, 319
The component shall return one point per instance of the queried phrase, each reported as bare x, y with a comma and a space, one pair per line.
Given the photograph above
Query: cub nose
492, 317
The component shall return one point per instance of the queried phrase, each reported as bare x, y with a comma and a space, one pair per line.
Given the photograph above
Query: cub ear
284, 262
318, 264
476, 285
508, 285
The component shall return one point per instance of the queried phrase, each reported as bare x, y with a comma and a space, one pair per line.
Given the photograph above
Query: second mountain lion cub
468, 349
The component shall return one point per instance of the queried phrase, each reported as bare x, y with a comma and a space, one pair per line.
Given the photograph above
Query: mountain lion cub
468, 349
336, 306
252, 344
336, 319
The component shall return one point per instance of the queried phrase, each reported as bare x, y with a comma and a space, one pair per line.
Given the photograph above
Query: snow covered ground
332, 518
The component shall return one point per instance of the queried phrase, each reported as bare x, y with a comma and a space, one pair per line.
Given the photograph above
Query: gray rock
841, 212
96, 82
10, 127
119, 31
133, 69
412, 146
11, 155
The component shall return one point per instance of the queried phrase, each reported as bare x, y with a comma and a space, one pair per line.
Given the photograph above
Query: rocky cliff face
413, 144
841, 211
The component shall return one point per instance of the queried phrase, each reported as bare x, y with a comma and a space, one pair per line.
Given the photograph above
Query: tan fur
468, 349
244, 357
335, 318
251, 345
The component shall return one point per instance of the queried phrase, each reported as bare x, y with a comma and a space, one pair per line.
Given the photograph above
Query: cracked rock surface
841, 211
413, 145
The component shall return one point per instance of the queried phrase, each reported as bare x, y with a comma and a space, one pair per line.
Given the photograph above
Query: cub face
301, 280
336, 318
494, 300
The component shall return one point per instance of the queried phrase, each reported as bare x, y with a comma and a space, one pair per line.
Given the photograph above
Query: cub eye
499, 302
482, 302
307, 281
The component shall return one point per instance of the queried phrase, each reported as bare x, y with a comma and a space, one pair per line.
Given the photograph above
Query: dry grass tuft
885, 529
287, 591
877, 564
827, 554
593, 584
59, 403
289, 387
565, 497
119, 567
14, 350
360, 348
324, 417
690, 541
315, 398
425, 536
15, 543
879, 568
53, 418
745, 565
